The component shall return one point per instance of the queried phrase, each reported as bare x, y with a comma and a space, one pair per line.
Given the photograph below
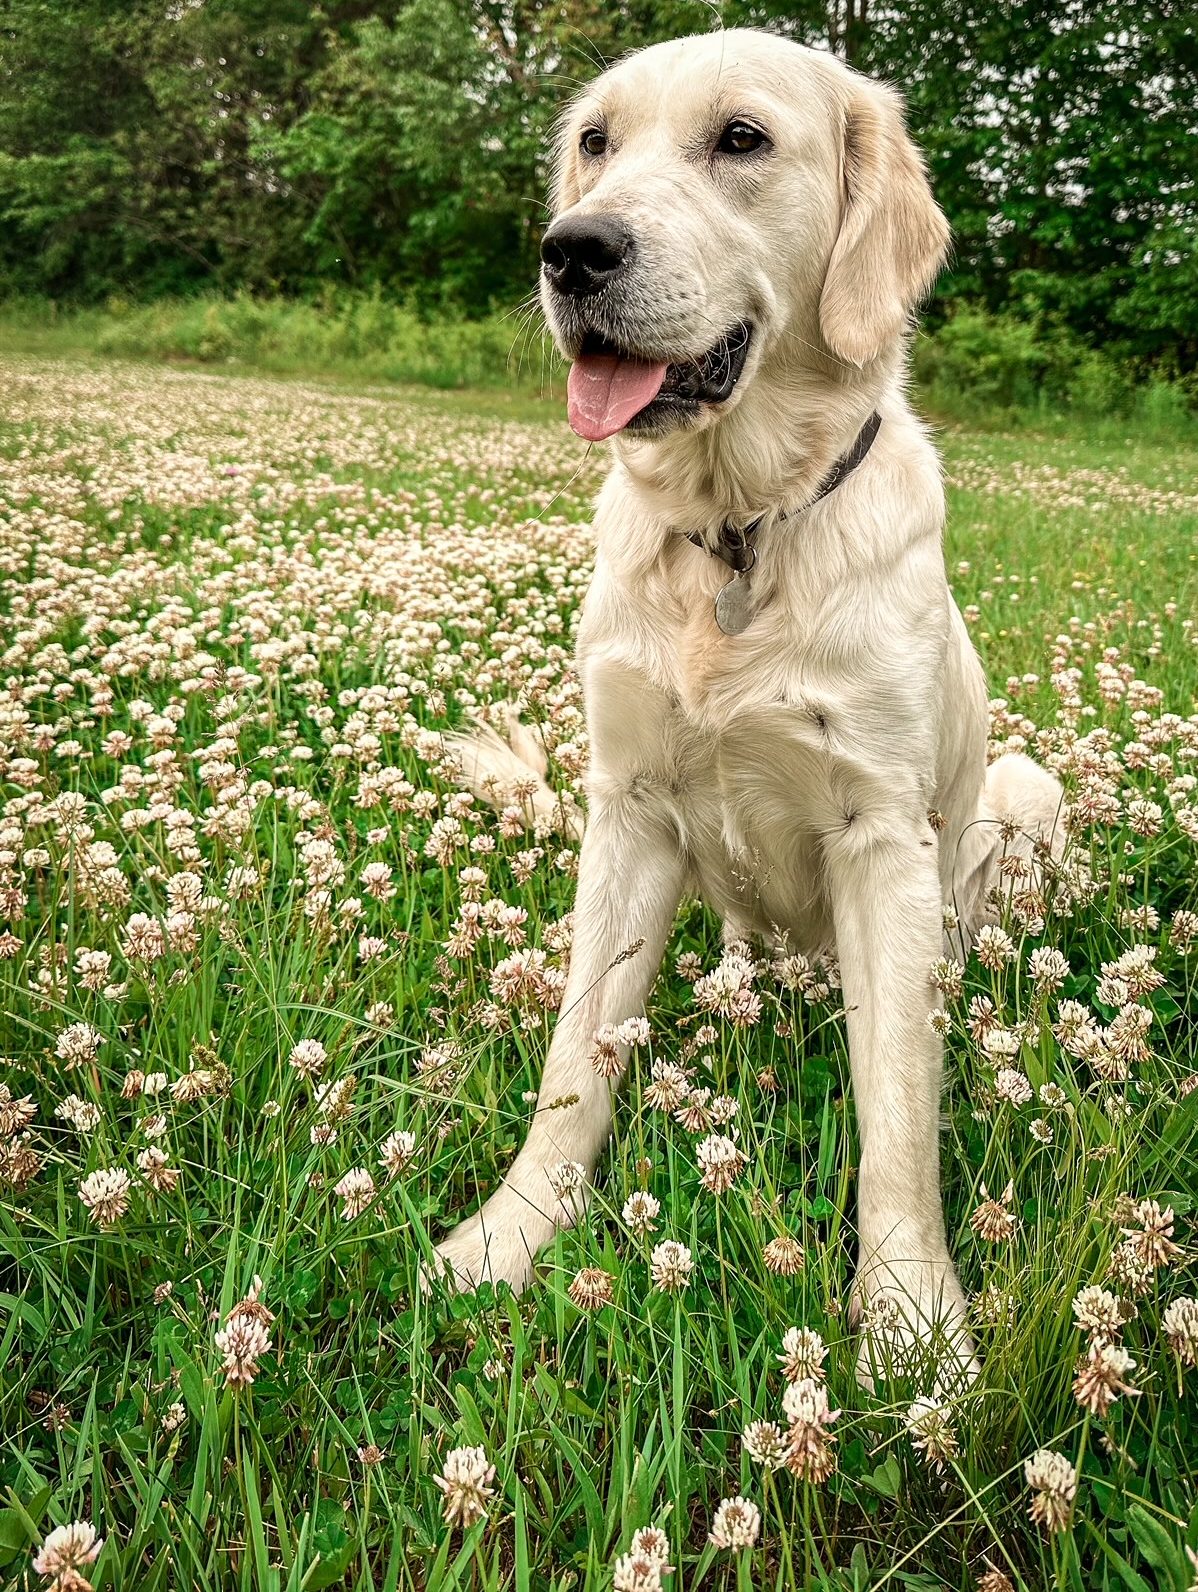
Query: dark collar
735, 545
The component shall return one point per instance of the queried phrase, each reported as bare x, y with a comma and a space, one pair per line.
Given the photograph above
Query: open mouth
612, 388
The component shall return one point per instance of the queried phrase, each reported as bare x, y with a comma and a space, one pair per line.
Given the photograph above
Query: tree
401, 145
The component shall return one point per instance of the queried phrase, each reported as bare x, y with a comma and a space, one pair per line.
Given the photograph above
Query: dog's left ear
563, 185
893, 238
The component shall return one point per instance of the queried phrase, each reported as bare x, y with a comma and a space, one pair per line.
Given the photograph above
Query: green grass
304, 583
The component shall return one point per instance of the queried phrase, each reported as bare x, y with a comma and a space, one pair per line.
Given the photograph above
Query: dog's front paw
497, 1244
912, 1317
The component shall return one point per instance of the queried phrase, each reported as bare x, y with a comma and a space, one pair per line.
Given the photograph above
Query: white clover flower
105, 1193
1100, 1313
465, 1482
566, 1179
356, 1190
720, 1162
82, 1115
930, 1427
736, 1525
308, 1057
671, 1266
1053, 1482
65, 1553
765, 1444
1012, 1085
1180, 1326
78, 1043
397, 1152
803, 1354
640, 1212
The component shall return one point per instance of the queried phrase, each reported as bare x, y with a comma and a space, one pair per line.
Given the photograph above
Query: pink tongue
604, 392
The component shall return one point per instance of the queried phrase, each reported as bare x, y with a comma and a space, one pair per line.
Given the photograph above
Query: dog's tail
511, 770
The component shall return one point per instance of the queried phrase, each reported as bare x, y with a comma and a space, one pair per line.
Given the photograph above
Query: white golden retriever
742, 230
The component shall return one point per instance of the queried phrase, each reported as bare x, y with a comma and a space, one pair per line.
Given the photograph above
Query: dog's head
726, 205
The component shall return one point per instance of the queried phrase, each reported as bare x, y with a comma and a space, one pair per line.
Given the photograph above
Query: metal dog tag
734, 605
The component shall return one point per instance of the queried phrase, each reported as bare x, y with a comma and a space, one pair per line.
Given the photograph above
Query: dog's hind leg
1021, 814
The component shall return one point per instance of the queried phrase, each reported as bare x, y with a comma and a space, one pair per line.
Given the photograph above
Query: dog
786, 714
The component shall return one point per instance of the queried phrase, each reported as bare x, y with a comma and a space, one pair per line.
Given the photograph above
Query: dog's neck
767, 457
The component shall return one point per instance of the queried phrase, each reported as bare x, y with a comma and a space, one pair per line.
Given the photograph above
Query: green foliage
999, 362
273, 146
360, 334
1057, 142
403, 164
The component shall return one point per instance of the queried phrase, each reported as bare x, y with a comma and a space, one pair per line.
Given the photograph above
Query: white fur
788, 773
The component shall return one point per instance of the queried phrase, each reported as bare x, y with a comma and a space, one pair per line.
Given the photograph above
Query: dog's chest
763, 742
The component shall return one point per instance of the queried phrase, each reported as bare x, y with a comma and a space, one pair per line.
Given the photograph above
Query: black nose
583, 254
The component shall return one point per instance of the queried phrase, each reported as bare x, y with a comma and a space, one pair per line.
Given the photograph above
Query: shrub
978, 362
363, 334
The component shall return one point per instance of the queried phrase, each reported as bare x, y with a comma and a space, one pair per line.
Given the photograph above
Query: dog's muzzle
621, 377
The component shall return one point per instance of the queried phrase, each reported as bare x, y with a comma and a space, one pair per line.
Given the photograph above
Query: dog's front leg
884, 881
629, 884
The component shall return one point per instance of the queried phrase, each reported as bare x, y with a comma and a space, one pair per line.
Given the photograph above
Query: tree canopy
163, 146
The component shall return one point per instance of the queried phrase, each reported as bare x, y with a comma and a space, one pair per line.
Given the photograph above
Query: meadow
275, 990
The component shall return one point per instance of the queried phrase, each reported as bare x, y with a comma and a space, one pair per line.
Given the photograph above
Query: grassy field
275, 992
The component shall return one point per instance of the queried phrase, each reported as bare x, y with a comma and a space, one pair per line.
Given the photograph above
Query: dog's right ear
893, 238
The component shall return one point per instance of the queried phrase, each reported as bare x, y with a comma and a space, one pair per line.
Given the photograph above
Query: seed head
783, 1256
994, 1220
1099, 1378
591, 1288
1152, 1233
994, 1581
809, 1452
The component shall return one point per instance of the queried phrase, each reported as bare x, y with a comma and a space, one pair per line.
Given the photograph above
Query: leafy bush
992, 362
362, 333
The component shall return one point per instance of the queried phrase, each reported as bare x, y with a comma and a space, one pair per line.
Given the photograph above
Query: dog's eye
739, 138
593, 142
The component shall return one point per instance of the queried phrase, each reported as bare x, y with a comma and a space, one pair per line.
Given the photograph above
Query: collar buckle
736, 545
